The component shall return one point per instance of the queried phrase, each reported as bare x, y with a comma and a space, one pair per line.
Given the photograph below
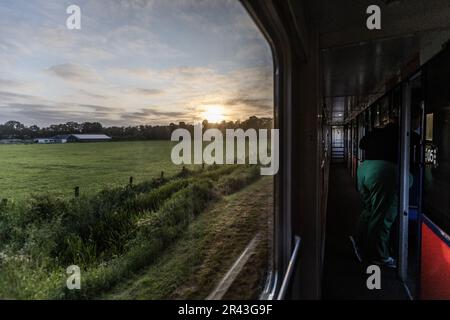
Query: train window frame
266, 267
271, 27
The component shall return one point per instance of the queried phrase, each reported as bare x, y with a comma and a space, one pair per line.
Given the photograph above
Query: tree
14, 125
91, 127
15, 129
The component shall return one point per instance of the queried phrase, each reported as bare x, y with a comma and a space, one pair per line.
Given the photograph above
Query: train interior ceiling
336, 80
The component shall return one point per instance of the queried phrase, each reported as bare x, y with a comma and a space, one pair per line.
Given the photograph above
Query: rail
289, 269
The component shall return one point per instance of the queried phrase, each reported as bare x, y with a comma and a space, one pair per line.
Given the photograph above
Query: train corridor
344, 276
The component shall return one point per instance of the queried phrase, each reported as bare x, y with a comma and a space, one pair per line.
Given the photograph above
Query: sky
132, 62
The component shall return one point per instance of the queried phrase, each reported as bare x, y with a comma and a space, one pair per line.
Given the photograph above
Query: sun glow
213, 114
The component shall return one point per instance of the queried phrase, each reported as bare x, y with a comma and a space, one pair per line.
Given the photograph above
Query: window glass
384, 110
436, 203
429, 127
103, 109
376, 114
397, 100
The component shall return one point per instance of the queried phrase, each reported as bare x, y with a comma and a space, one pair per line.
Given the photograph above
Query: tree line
16, 130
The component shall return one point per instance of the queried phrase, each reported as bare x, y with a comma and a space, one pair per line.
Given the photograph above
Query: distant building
11, 141
88, 138
60, 138
47, 141
74, 138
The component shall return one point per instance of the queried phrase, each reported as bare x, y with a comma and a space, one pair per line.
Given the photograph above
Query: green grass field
58, 168
114, 231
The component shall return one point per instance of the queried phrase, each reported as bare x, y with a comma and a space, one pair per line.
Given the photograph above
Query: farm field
121, 235
59, 168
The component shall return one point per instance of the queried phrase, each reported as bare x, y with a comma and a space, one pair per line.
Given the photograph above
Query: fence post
131, 181
162, 175
77, 192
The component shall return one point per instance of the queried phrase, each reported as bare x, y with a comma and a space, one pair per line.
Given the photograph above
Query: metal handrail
289, 269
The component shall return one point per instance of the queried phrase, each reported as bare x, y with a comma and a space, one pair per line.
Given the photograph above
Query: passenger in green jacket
377, 184
377, 180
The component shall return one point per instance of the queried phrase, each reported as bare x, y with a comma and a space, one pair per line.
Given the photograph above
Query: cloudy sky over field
132, 62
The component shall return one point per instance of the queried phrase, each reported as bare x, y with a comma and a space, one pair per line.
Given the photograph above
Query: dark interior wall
309, 169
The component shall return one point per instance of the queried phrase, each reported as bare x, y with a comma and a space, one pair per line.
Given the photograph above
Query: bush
237, 180
21, 279
80, 230
152, 200
174, 215
156, 230
214, 172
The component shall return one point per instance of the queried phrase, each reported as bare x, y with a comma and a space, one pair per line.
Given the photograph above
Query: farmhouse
74, 138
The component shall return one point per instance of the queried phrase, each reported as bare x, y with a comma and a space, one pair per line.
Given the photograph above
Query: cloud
73, 72
30, 113
35, 113
148, 92
101, 109
144, 115
176, 56
258, 103
91, 94
5, 83
5, 95
168, 74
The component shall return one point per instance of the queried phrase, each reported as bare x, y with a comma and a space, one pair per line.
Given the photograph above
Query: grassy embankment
192, 266
110, 235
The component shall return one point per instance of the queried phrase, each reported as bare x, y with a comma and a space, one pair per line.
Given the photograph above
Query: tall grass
109, 235
155, 231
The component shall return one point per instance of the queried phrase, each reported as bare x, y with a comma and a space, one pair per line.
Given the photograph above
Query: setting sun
213, 114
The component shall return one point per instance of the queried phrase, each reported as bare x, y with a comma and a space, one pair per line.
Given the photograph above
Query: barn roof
91, 136
63, 136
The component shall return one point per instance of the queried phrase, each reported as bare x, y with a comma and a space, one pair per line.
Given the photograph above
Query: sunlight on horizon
214, 113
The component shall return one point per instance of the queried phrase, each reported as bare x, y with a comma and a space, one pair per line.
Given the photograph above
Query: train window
429, 127
367, 120
436, 203
396, 105
92, 203
355, 137
377, 115
348, 146
361, 133
384, 110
